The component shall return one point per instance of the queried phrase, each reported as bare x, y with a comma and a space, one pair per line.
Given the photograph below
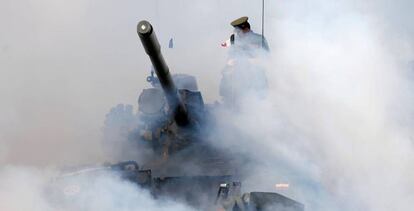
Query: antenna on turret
263, 13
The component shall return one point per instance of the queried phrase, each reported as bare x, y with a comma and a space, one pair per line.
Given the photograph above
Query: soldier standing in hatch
245, 42
243, 77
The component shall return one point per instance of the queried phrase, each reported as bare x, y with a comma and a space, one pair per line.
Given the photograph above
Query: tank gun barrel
153, 49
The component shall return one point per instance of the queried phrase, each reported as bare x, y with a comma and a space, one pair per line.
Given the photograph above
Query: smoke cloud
337, 124
24, 188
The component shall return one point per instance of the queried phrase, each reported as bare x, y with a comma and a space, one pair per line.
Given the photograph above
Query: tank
167, 140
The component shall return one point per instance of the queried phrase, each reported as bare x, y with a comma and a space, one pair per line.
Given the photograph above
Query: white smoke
24, 188
338, 122
337, 125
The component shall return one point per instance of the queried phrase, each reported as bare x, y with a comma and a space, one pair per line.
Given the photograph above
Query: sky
339, 112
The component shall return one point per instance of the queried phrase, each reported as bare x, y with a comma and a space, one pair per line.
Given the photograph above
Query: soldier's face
237, 30
240, 31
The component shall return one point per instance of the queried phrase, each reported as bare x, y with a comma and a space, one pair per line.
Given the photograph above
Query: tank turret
153, 49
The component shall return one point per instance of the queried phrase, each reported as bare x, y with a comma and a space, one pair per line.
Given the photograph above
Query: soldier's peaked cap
239, 21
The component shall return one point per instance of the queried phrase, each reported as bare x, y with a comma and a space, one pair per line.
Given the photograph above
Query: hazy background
65, 64
338, 121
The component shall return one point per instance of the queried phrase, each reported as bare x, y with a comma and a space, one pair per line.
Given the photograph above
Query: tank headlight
223, 185
282, 186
